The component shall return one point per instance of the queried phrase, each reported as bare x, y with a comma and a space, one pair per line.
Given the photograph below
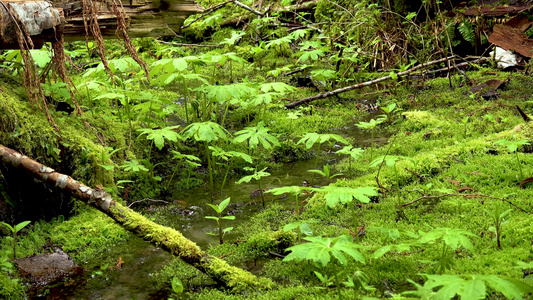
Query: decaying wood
361, 85
167, 238
496, 11
46, 22
510, 38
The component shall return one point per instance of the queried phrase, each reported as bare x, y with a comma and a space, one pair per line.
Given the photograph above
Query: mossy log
46, 22
167, 238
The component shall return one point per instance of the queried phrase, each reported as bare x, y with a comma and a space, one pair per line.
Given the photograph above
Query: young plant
467, 287
355, 153
208, 133
320, 250
104, 158
190, 161
228, 156
390, 110
292, 116
370, 125
257, 177
14, 231
390, 161
219, 209
498, 218
158, 137
450, 238
326, 172
513, 147
303, 226
310, 139
255, 136
465, 121
335, 195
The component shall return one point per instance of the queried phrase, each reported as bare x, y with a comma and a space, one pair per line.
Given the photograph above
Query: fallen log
230, 277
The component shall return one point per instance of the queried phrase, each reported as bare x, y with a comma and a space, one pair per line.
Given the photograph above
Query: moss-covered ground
451, 176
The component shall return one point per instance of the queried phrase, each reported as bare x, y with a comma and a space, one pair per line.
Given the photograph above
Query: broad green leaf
215, 207
177, 286
222, 206
473, 289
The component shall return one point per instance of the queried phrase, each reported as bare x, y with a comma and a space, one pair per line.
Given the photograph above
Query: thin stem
209, 166
519, 165
226, 175
298, 217
316, 162
186, 90
261, 192
220, 233
354, 217
371, 142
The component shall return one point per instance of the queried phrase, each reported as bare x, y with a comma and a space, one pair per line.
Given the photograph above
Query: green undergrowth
479, 175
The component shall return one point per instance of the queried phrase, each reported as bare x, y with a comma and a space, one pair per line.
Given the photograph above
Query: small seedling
303, 226
320, 250
355, 153
326, 172
513, 147
370, 125
14, 231
219, 209
256, 176
498, 218
390, 161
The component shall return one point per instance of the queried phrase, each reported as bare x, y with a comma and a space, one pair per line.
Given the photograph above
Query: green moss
11, 288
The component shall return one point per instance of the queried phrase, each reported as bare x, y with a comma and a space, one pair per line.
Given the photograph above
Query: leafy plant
335, 195
325, 172
255, 136
257, 177
228, 157
354, 153
320, 250
450, 238
498, 218
158, 137
219, 209
14, 231
390, 161
208, 133
390, 110
467, 287
303, 226
133, 166
190, 162
177, 286
104, 158
513, 147
370, 125
313, 138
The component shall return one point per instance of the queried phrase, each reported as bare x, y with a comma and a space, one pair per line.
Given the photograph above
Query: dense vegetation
441, 210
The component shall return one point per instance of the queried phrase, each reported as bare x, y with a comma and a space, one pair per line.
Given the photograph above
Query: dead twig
188, 45
248, 8
148, 199
361, 85
468, 196
207, 12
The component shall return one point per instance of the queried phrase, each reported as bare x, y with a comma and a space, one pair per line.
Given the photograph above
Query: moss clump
10, 288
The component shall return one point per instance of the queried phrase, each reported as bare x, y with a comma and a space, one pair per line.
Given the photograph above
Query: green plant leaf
21, 225
177, 285
222, 206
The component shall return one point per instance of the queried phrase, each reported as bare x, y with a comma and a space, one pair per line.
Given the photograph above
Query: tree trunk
167, 238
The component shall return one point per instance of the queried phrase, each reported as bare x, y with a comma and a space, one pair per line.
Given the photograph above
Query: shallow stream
140, 258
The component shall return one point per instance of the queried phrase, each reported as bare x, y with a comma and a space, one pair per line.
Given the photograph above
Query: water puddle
136, 258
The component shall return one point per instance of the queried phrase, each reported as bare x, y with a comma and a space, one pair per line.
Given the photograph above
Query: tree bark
45, 22
167, 238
